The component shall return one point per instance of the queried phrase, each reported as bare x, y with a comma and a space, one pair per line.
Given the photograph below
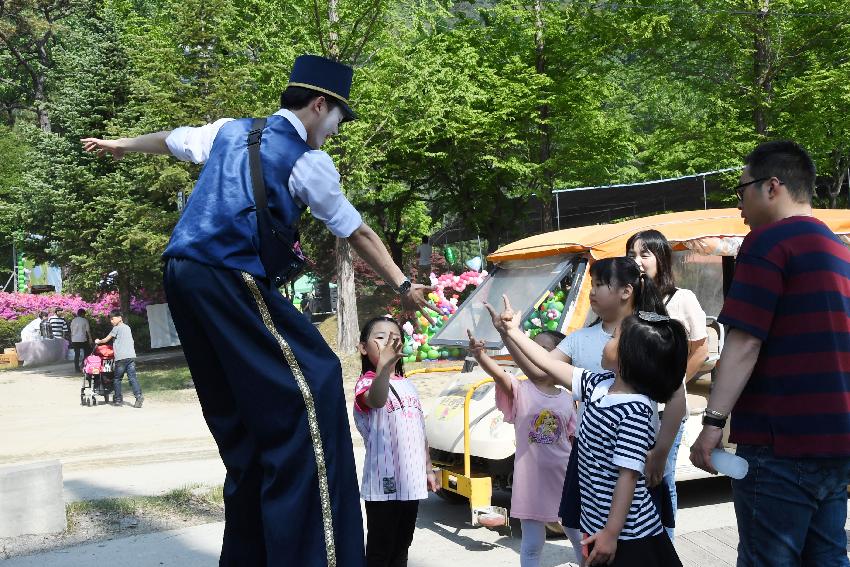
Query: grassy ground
100, 520
159, 379
188, 504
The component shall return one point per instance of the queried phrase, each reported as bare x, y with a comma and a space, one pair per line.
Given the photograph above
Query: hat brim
348, 114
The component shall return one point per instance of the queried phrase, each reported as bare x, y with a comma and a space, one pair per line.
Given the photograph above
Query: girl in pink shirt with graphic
544, 420
397, 472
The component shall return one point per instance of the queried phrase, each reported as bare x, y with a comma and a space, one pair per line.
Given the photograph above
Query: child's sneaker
139, 401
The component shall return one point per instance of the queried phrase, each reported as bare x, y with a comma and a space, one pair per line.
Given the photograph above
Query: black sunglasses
739, 189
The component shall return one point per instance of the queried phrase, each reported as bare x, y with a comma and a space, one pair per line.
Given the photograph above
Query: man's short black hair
296, 98
788, 162
115, 313
81, 312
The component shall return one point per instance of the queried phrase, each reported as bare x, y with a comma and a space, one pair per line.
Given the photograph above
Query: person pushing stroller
125, 358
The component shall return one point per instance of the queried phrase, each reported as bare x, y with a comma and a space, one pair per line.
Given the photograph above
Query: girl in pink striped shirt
397, 472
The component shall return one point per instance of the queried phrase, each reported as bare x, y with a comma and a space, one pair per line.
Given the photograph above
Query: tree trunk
124, 293
840, 163
545, 130
348, 327
333, 32
762, 72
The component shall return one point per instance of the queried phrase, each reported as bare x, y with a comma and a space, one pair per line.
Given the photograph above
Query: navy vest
219, 223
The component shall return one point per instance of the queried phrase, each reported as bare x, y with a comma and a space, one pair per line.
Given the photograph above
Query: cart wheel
82, 400
106, 398
88, 402
93, 401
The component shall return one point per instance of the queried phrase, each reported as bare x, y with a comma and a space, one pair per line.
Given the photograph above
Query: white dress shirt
314, 180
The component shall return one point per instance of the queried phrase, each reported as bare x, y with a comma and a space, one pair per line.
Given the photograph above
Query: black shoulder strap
254, 137
670, 297
400, 404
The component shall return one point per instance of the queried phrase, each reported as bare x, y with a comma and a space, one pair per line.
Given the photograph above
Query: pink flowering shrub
13, 306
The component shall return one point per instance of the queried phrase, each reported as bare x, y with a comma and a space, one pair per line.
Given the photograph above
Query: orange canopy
683, 230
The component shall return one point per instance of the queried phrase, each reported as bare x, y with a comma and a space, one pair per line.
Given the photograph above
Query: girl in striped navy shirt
397, 472
645, 361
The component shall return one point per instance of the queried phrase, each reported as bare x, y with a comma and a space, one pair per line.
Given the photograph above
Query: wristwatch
404, 287
714, 418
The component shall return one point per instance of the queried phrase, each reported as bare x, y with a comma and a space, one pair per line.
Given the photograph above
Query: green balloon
557, 306
535, 332
450, 255
560, 295
552, 325
407, 350
527, 325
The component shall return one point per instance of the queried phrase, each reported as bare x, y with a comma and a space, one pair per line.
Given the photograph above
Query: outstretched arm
369, 246
145, 144
519, 345
490, 366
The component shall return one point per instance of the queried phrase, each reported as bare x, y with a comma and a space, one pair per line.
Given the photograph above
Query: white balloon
474, 264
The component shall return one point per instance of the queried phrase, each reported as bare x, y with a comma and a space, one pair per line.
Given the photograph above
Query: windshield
525, 282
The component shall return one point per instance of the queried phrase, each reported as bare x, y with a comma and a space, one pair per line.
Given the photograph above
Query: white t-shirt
584, 347
80, 330
32, 332
684, 307
394, 468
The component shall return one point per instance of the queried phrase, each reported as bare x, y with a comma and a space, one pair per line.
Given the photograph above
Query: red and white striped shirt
394, 436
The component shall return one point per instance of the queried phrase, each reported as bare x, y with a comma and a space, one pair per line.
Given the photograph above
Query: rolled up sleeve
315, 182
193, 144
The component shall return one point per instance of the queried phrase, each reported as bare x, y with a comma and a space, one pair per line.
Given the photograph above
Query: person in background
56, 326
423, 254
32, 330
654, 255
81, 337
125, 358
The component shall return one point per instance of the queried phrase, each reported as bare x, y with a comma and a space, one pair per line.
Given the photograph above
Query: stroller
98, 377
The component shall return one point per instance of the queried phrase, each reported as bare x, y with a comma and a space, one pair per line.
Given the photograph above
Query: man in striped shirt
57, 325
785, 370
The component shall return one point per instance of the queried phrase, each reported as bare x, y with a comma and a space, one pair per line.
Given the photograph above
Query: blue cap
325, 76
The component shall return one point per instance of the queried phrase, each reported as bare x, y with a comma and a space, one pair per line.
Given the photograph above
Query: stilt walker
269, 385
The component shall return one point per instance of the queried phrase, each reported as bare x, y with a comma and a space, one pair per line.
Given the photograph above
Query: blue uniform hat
325, 76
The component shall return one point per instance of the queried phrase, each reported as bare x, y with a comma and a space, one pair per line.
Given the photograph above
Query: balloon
560, 295
407, 350
527, 325
407, 328
450, 255
474, 264
557, 306
552, 325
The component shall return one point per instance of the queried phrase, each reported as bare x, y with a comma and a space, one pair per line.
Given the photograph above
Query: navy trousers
271, 392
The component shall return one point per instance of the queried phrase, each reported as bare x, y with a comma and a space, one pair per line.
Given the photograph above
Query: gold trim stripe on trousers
312, 420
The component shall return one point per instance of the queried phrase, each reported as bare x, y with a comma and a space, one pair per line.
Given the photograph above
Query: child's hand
654, 467
505, 321
604, 548
389, 353
433, 480
476, 347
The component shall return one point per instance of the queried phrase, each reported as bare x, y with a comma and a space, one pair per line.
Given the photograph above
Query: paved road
109, 452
